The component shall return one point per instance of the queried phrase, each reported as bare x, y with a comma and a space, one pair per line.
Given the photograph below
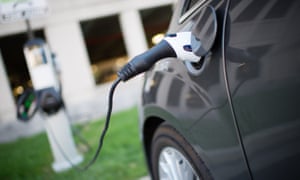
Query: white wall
133, 32
66, 41
77, 10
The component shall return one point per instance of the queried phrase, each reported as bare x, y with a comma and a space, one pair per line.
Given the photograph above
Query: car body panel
196, 105
241, 111
263, 69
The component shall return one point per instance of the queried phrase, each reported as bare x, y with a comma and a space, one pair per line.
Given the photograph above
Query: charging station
46, 84
46, 96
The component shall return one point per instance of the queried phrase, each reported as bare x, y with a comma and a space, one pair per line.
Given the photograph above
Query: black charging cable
137, 65
107, 121
174, 45
103, 133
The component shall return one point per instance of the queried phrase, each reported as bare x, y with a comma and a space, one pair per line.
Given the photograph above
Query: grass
121, 156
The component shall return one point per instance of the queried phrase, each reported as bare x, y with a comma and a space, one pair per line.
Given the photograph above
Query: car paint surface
263, 68
237, 111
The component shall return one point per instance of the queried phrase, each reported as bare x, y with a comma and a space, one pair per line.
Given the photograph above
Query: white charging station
44, 78
46, 84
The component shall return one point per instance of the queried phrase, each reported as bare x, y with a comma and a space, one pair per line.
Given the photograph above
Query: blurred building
91, 38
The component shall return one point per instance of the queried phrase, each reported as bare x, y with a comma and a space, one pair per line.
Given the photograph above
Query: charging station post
46, 84
46, 96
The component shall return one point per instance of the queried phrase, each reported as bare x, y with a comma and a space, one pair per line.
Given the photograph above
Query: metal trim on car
189, 12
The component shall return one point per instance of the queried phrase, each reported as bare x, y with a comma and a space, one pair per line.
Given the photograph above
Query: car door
195, 94
263, 71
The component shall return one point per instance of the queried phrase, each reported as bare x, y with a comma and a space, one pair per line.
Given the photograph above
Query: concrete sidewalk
126, 95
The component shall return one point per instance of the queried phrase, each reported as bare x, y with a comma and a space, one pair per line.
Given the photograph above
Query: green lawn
121, 156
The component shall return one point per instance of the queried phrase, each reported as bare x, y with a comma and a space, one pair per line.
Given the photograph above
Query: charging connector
182, 45
146, 60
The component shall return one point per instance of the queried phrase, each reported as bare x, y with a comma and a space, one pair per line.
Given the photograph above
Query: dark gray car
236, 113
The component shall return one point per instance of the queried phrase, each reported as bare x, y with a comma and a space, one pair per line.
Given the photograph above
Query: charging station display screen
36, 56
40, 64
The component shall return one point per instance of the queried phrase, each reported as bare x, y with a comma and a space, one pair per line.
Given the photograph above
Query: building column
7, 105
133, 32
66, 41
136, 43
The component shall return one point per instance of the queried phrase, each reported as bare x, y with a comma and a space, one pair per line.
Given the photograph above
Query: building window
156, 22
15, 63
105, 46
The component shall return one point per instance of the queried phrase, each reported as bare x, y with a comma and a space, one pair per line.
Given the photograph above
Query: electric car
235, 113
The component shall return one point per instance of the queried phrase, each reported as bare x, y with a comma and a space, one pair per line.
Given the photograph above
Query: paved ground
126, 95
